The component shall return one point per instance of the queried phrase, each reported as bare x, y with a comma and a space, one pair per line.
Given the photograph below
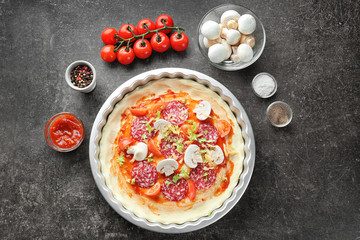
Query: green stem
122, 40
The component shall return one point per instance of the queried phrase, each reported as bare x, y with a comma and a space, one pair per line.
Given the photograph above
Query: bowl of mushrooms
231, 37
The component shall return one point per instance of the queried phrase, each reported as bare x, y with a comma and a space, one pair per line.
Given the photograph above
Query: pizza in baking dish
171, 151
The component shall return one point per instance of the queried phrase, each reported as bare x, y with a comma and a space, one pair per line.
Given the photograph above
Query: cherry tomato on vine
107, 53
142, 29
168, 21
107, 36
125, 33
179, 41
142, 48
160, 42
124, 56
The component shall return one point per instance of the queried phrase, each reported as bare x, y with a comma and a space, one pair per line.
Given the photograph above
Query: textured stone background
306, 179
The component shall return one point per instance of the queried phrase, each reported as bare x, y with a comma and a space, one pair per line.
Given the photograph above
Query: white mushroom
247, 24
224, 32
229, 15
248, 39
167, 166
192, 156
210, 30
202, 110
160, 124
208, 43
233, 37
234, 49
235, 58
228, 48
217, 155
245, 52
140, 151
232, 24
217, 53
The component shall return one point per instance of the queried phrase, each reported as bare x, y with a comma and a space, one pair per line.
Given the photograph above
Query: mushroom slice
217, 155
192, 156
167, 166
139, 151
161, 126
202, 110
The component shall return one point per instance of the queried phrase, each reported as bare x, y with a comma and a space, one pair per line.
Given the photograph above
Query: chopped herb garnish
209, 214
194, 126
144, 122
202, 151
190, 121
224, 179
206, 179
232, 148
193, 136
179, 145
158, 115
206, 132
133, 181
183, 101
205, 169
205, 174
202, 140
168, 183
149, 128
144, 137
121, 159
149, 159
175, 178
152, 184
184, 172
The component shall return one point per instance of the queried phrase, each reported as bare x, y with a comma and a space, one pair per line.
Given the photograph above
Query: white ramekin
87, 89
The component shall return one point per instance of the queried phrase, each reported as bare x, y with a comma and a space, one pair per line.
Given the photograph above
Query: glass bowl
259, 35
47, 132
285, 109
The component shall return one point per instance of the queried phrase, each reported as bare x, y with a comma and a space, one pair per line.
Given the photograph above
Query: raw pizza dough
167, 212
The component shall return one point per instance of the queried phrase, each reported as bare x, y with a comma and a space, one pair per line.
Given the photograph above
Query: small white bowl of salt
264, 85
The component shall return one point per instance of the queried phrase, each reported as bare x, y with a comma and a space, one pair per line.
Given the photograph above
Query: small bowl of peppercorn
81, 76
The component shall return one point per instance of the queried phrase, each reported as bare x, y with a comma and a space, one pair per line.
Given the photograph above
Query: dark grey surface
306, 179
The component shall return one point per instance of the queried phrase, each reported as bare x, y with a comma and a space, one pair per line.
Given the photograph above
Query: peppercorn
81, 76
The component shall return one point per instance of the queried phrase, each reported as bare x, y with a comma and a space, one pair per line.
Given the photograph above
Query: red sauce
66, 131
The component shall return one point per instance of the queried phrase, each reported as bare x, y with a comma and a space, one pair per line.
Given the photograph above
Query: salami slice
175, 112
145, 174
172, 146
202, 176
208, 132
141, 130
174, 191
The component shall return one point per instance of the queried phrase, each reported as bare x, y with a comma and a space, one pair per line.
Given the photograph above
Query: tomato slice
139, 111
153, 148
154, 190
223, 127
186, 127
192, 190
124, 142
158, 107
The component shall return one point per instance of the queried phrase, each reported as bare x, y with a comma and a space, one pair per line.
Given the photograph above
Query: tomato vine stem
120, 40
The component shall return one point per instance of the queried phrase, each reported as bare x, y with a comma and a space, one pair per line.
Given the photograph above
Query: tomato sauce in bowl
64, 132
